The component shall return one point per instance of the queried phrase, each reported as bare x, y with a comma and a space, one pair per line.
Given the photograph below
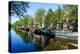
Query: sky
34, 6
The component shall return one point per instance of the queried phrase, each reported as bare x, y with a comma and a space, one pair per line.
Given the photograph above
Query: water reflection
22, 42
39, 40
25, 37
28, 38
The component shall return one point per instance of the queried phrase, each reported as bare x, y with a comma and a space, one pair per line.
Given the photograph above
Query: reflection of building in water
40, 39
34, 39
43, 41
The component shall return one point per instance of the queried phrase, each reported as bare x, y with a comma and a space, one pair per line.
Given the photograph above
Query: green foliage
72, 12
24, 21
17, 8
39, 16
59, 13
51, 17
25, 37
48, 18
17, 23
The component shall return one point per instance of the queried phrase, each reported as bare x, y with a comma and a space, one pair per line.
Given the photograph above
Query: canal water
21, 42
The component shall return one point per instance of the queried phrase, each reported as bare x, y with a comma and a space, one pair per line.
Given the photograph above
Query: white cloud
53, 10
14, 20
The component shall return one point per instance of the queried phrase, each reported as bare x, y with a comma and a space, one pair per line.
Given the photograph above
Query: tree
72, 14
39, 16
57, 17
17, 23
48, 18
17, 8
59, 13
26, 20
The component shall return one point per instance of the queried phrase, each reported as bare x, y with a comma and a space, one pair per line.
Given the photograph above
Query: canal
22, 42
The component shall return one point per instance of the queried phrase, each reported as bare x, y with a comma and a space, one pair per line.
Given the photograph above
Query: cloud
14, 20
